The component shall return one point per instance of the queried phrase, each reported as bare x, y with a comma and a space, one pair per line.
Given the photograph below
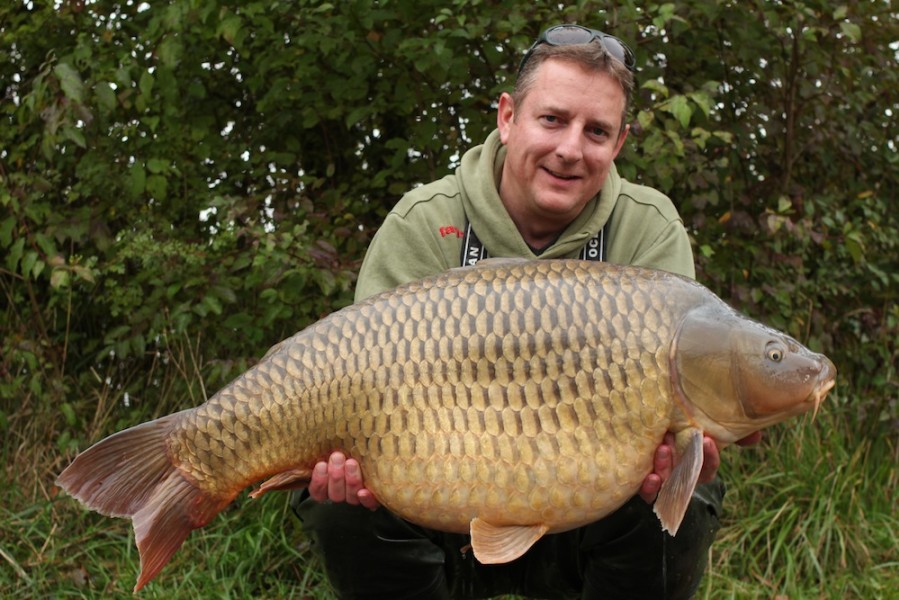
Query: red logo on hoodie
451, 230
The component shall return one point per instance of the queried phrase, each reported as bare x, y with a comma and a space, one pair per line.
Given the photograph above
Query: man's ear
621, 137
505, 116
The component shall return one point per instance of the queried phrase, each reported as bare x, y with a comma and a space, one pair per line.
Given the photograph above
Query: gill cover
737, 376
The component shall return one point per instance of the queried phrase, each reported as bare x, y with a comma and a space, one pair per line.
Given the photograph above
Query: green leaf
157, 187
145, 84
157, 165
680, 108
356, 115
75, 135
70, 82
225, 293
212, 304
725, 136
47, 245
59, 278
37, 269
657, 86
784, 204
28, 262
229, 28
855, 246
700, 136
170, 51
15, 254
68, 412
6, 227
115, 334
852, 31
106, 97
83, 273
703, 101
138, 180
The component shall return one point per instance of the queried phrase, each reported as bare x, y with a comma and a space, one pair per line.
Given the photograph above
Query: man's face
561, 140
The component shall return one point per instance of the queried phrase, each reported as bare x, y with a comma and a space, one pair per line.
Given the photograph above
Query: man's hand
340, 480
663, 463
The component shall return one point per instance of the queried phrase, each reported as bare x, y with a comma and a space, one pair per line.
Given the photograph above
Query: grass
810, 513
51, 547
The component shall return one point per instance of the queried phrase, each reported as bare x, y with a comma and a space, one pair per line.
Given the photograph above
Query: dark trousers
625, 555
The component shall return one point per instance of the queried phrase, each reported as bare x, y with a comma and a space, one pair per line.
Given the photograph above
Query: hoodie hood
479, 176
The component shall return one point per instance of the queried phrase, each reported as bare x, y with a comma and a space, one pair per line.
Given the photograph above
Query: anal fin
676, 492
494, 544
291, 479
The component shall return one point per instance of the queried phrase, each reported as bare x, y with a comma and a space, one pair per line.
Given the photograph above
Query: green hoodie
423, 234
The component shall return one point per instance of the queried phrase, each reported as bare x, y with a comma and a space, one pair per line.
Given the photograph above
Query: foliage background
185, 182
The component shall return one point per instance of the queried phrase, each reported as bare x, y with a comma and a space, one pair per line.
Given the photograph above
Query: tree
184, 183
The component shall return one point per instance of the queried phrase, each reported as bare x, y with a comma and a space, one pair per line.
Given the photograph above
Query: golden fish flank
507, 400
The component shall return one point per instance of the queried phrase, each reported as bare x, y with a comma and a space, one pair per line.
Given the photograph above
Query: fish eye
775, 352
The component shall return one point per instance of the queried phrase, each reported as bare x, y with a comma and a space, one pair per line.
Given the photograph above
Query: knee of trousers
627, 555
373, 554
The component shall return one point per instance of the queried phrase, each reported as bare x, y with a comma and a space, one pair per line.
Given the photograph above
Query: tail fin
130, 474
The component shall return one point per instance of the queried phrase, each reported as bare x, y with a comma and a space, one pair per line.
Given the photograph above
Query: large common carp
510, 399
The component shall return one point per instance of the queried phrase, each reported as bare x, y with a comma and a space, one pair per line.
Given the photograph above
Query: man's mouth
562, 176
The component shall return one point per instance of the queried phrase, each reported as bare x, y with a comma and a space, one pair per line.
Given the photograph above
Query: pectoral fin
494, 544
671, 505
292, 479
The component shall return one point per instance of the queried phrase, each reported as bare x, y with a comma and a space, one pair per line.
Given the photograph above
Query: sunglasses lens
617, 51
565, 36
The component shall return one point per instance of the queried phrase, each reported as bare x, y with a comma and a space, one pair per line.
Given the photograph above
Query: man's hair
592, 56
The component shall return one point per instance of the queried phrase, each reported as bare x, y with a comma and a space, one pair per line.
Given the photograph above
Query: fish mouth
827, 379
819, 393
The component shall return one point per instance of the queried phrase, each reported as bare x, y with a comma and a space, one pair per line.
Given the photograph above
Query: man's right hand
340, 480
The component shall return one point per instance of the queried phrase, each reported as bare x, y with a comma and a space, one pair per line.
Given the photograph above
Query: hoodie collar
479, 175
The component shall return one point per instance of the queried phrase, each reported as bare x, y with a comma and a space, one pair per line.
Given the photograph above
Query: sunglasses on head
568, 35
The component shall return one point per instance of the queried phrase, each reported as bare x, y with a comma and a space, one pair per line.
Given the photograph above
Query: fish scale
508, 400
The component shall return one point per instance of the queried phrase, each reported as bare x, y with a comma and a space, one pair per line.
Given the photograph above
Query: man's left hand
664, 462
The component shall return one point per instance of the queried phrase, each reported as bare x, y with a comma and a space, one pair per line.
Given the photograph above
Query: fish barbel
509, 400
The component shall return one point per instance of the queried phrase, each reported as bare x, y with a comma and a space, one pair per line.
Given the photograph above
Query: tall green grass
810, 513
249, 552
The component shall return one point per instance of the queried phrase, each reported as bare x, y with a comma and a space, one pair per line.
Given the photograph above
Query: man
544, 185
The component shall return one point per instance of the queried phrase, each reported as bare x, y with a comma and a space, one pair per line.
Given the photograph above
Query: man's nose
569, 148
